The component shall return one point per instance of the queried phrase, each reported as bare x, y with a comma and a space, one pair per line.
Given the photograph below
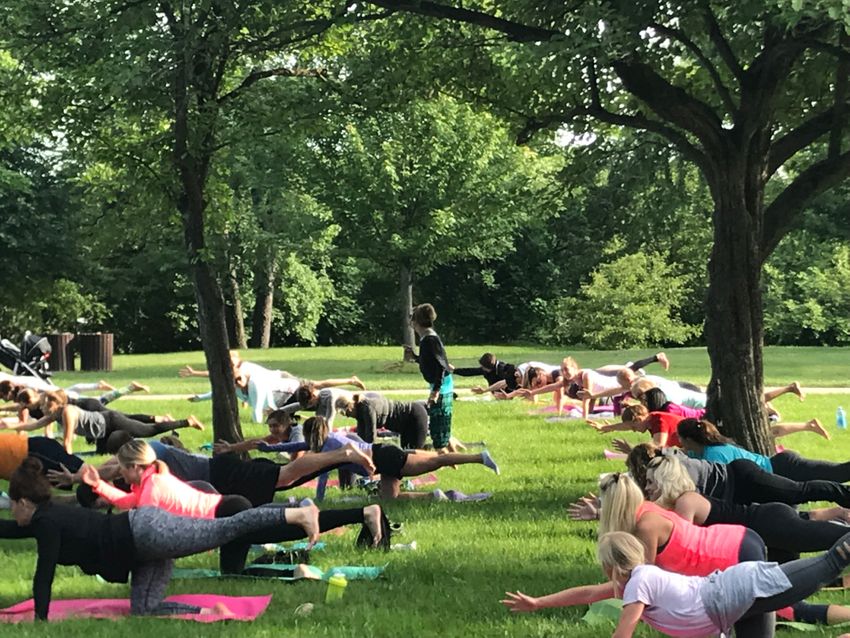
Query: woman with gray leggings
143, 542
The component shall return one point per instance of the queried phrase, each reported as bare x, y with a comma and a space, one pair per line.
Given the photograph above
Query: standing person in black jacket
494, 371
143, 542
435, 369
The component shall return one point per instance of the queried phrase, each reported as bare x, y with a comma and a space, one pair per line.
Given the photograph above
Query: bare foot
219, 609
135, 386
354, 454
372, 520
796, 389
830, 514
815, 426
194, 423
103, 385
357, 383
306, 518
304, 571
663, 360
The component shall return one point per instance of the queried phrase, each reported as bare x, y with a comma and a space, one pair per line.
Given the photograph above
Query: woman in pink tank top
672, 542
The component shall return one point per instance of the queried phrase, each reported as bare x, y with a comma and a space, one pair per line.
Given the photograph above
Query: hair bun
32, 465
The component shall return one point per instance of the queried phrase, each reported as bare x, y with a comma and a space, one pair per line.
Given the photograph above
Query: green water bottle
336, 587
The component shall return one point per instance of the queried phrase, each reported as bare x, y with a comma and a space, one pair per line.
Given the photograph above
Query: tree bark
406, 305
235, 314
191, 155
734, 321
261, 323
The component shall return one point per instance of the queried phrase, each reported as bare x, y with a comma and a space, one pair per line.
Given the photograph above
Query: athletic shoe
487, 460
439, 495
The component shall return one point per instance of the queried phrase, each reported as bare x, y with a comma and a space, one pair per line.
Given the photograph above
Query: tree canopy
306, 162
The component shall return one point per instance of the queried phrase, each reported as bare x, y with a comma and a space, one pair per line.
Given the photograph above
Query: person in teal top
702, 440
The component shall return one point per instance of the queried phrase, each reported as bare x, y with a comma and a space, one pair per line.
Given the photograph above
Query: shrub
630, 302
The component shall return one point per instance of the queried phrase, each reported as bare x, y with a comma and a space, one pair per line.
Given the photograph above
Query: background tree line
607, 249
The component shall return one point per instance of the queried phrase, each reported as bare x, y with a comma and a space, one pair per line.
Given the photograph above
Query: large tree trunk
191, 161
235, 314
734, 326
406, 305
261, 324
211, 322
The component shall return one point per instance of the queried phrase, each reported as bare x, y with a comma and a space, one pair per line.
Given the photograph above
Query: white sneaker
5, 502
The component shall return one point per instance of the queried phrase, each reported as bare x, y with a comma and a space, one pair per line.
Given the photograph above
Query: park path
462, 391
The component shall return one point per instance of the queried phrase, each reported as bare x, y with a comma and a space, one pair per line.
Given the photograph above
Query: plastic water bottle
336, 587
402, 547
841, 418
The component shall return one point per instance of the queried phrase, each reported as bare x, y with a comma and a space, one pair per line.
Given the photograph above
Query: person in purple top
390, 461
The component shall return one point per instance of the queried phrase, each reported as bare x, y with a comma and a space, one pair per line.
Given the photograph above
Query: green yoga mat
351, 572
604, 612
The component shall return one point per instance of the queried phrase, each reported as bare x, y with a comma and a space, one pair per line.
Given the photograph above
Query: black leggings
233, 555
751, 484
635, 365
793, 466
753, 549
413, 428
780, 526
139, 429
807, 576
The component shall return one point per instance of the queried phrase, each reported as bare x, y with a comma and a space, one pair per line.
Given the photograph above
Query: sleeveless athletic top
91, 425
600, 382
693, 550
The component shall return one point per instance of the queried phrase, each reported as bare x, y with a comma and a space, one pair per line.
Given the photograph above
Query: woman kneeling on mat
142, 543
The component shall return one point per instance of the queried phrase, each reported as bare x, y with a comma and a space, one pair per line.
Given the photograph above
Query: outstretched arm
584, 595
189, 371
551, 387
604, 428
223, 447
44, 421
499, 385
332, 383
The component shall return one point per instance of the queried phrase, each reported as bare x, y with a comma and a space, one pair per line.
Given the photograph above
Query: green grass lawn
380, 366
469, 554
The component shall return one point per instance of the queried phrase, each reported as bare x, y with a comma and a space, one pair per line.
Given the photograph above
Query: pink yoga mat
242, 608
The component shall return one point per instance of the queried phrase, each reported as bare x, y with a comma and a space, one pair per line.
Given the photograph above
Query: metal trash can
62, 357
95, 350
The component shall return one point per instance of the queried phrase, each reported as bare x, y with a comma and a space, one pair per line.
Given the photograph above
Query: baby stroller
30, 360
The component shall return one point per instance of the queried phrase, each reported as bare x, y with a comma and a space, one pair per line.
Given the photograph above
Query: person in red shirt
636, 418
